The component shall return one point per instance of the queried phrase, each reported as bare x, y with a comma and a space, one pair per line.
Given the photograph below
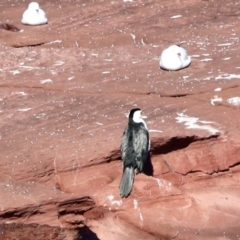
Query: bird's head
33, 6
136, 116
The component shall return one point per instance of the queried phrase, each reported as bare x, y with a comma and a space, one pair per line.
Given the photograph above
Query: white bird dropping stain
114, 202
227, 76
70, 78
133, 37
234, 101
224, 44
206, 60
15, 72
154, 130
215, 99
24, 109
135, 205
195, 123
46, 81
159, 183
176, 16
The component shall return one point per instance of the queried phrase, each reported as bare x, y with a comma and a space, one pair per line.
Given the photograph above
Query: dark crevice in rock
234, 165
75, 206
9, 27
213, 172
168, 166
71, 212
175, 143
30, 45
191, 94
177, 95
56, 88
26, 87
113, 156
19, 213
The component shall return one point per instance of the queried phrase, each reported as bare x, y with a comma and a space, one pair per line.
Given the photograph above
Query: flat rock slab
65, 90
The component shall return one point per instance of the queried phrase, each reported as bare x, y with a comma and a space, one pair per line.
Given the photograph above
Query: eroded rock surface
64, 90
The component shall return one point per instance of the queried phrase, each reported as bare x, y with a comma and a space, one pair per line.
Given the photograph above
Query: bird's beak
143, 116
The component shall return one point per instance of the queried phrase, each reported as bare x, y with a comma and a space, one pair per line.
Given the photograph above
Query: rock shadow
148, 167
85, 233
177, 143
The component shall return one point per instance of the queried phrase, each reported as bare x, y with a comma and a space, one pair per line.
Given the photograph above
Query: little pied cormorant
134, 149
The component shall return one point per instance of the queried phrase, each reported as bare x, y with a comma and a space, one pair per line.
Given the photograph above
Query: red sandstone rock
65, 88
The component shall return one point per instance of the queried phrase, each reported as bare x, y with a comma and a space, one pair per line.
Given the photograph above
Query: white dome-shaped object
34, 15
174, 58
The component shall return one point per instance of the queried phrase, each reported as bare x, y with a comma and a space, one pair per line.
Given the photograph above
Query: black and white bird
135, 147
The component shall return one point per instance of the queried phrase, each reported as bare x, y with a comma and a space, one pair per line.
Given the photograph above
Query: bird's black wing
141, 146
125, 143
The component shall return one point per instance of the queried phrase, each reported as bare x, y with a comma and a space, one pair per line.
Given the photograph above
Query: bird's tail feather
126, 183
